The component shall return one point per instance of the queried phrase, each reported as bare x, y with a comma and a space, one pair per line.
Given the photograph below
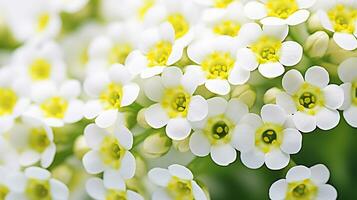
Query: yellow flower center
228, 27
54, 107
3, 191
84, 57
269, 136
112, 96
218, 65
8, 100
267, 49
115, 195
143, 9
119, 52
354, 93
176, 102
40, 69
42, 22
111, 151
179, 23
38, 189
281, 8
38, 139
159, 54
180, 189
301, 190
343, 18
309, 98
219, 129
222, 3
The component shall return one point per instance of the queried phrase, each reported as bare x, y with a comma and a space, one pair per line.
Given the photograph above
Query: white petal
238, 76
298, 173
130, 93
273, 114
112, 179
244, 138
347, 100
29, 158
93, 135
305, 3
106, 118
176, 53
278, 32
131, 195
350, 116
198, 108
223, 154
136, 62
218, 86
171, 77
317, 76
151, 71
291, 53
95, 188
161, 194
159, 176
304, 122
59, 190
37, 173
292, 81
74, 111
325, 20
326, 192
327, 119
197, 191
216, 106
92, 162
246, 59
273, 21
124, 136
276, 159
278, 189
199, 144
156, 116
178, 128
92, 109
252, 120
249, 33
286, 102
128, 166
95, 84
345, 40
192, 78
180, 172
333, 96
298, 17
70, 89
347, 71
255, 10
253, 159
119, 74
17, 182
271, 70
15, 196
48, 155
154, 88
292, 140
319, 174
236, 110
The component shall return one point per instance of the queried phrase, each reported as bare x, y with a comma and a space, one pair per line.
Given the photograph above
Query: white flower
347, 72
13, 98
112, 187
70, 5
311, 102
267, 139
36, 183
175, 182
214, 134
112, 90
266, 49
218, 64
340, 18
176, 106
157, 50
304, 183
57, 105
109, 151
279, 12
34, 142
9, 158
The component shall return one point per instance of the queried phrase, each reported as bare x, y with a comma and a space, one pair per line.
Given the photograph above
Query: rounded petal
292, 81
131, 195
347, 71
37, 173
197, 191
70, 89
255, 10
298, 173
152, 71
59, 190
159, 176
327, 119
113, 180
218, 86
276, 159
180, 172
273, 21
124, 136
345, 41
350, 116
199, 144
326, 192
273, 114
347, 100
223, 154
286, 102
244, 138
95, 84
92, 162
130, 93
161, 194
156, 116
317, 76
319, 174
279, 32
249, 33
246, 59
292, 141
252, 120
136, 62
95, 188
304, 122
216, 106
198, 108
238, 76
178, 128
298, 17
106, 118
48, 156
271, 70
74, 111
127, 169
176, 53
171, 77
333, 96
236, 110
253, 159
278, 189
192, 78
93, 135
29, 157
92, 109
154, 88
291, 53
305, 3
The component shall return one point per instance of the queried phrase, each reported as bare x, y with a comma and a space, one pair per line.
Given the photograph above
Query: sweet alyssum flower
311, 102
110, 188
176, 105
340, 17
266, 49
111, 89
157, 50
109, 151
176, 182
57, 105
216, 132
267, 139
304, 183
34, 142
217, 64
36, 183
279, 12
347, 72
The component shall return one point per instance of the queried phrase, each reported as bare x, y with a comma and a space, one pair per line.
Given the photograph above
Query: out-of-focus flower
176, 105
216, 133
175, 182
347, 72
311, 102
304, 183
69, 5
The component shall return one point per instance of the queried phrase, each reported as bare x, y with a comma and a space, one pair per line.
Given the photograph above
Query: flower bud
156, 145
270, 95
314, 23
80, 147
140, 118
63, 173
181, 145
244, 93
316, 44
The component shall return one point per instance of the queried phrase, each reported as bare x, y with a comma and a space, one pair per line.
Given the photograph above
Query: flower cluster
92, 90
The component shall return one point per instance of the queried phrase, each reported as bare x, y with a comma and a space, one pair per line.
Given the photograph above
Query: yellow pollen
179, 23
111, 151
40, 69
147, 4
43, 21
38, 189
115, 195
218, 65
119, 52
55, 107
112, 96
267, 49
8, 100
229, 27
218, 129
38, 139
222, 3
281, 8
3, 191
176, 102
159, 54
268, 137
309, 99
303, 190
343, 18
180, 189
